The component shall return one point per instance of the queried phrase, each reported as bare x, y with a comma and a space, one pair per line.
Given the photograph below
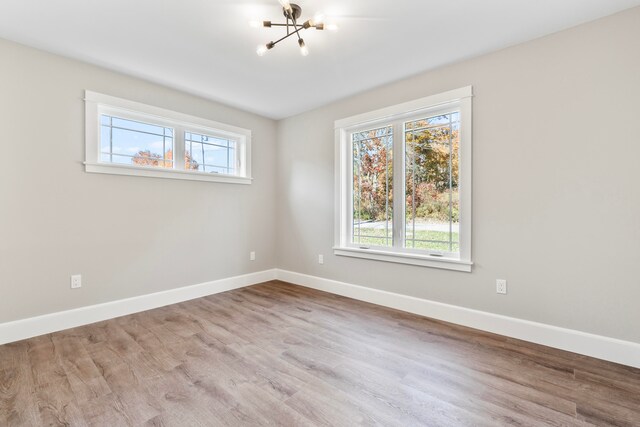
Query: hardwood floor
278, 354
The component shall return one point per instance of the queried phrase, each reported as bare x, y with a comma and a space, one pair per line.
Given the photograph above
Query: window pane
428, 122
359, 136
132, 142
372, 187
215, 155
209, 154
232, 155
137, 126
105, 139
431, 180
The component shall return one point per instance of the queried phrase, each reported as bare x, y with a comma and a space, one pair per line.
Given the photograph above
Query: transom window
129, 138
404, 183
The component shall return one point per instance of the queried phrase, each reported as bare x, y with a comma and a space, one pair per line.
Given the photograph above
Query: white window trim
97, 104
460, 98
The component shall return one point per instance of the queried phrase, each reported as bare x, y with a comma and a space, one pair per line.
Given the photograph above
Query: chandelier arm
295, 25
279, 40
285, 25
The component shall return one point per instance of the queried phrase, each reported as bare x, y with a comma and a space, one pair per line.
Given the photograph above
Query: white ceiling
206, 47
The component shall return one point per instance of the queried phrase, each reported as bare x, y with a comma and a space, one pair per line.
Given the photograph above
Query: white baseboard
34, 326
611, 349
600, 347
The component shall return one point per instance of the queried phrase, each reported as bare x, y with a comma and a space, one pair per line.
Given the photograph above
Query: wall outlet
76, 281
501, 286
320, 259
252, 256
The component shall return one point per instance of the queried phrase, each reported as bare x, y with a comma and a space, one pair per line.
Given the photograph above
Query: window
129, 138
403, 183
372, 187
210, 154
135, 143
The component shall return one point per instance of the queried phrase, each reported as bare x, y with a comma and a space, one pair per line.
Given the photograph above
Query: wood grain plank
16, 387
279, 354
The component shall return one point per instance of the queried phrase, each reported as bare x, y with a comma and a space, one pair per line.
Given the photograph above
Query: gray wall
126, 235
556, 207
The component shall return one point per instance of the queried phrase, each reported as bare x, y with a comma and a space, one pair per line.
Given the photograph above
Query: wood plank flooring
278, 354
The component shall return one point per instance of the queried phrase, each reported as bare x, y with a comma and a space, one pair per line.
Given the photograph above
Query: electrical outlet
320, 259
76, 281
501, 286
252, 256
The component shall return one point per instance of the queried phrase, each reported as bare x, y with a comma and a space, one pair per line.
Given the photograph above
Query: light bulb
331, 27
318, 19
304, 50
285, 5
262, 49
254, 24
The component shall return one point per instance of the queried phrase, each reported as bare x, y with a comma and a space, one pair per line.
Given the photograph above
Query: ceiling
207, 47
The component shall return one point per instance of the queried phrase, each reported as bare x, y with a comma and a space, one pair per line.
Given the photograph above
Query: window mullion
110, 139
348, 169
398, 185
178, 148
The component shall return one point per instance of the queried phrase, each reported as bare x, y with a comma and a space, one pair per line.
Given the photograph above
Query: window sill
405, 258
163, 173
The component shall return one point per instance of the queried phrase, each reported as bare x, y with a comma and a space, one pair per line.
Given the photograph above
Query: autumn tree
147, 158
432, 172
373, 172
429, 151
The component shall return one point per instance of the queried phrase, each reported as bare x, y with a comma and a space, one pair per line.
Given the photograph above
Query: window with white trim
403, 183
129, 138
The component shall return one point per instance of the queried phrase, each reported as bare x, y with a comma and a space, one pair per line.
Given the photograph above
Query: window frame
397, 115
97, 104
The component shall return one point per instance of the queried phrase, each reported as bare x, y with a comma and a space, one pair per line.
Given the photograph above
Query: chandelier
292, 13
